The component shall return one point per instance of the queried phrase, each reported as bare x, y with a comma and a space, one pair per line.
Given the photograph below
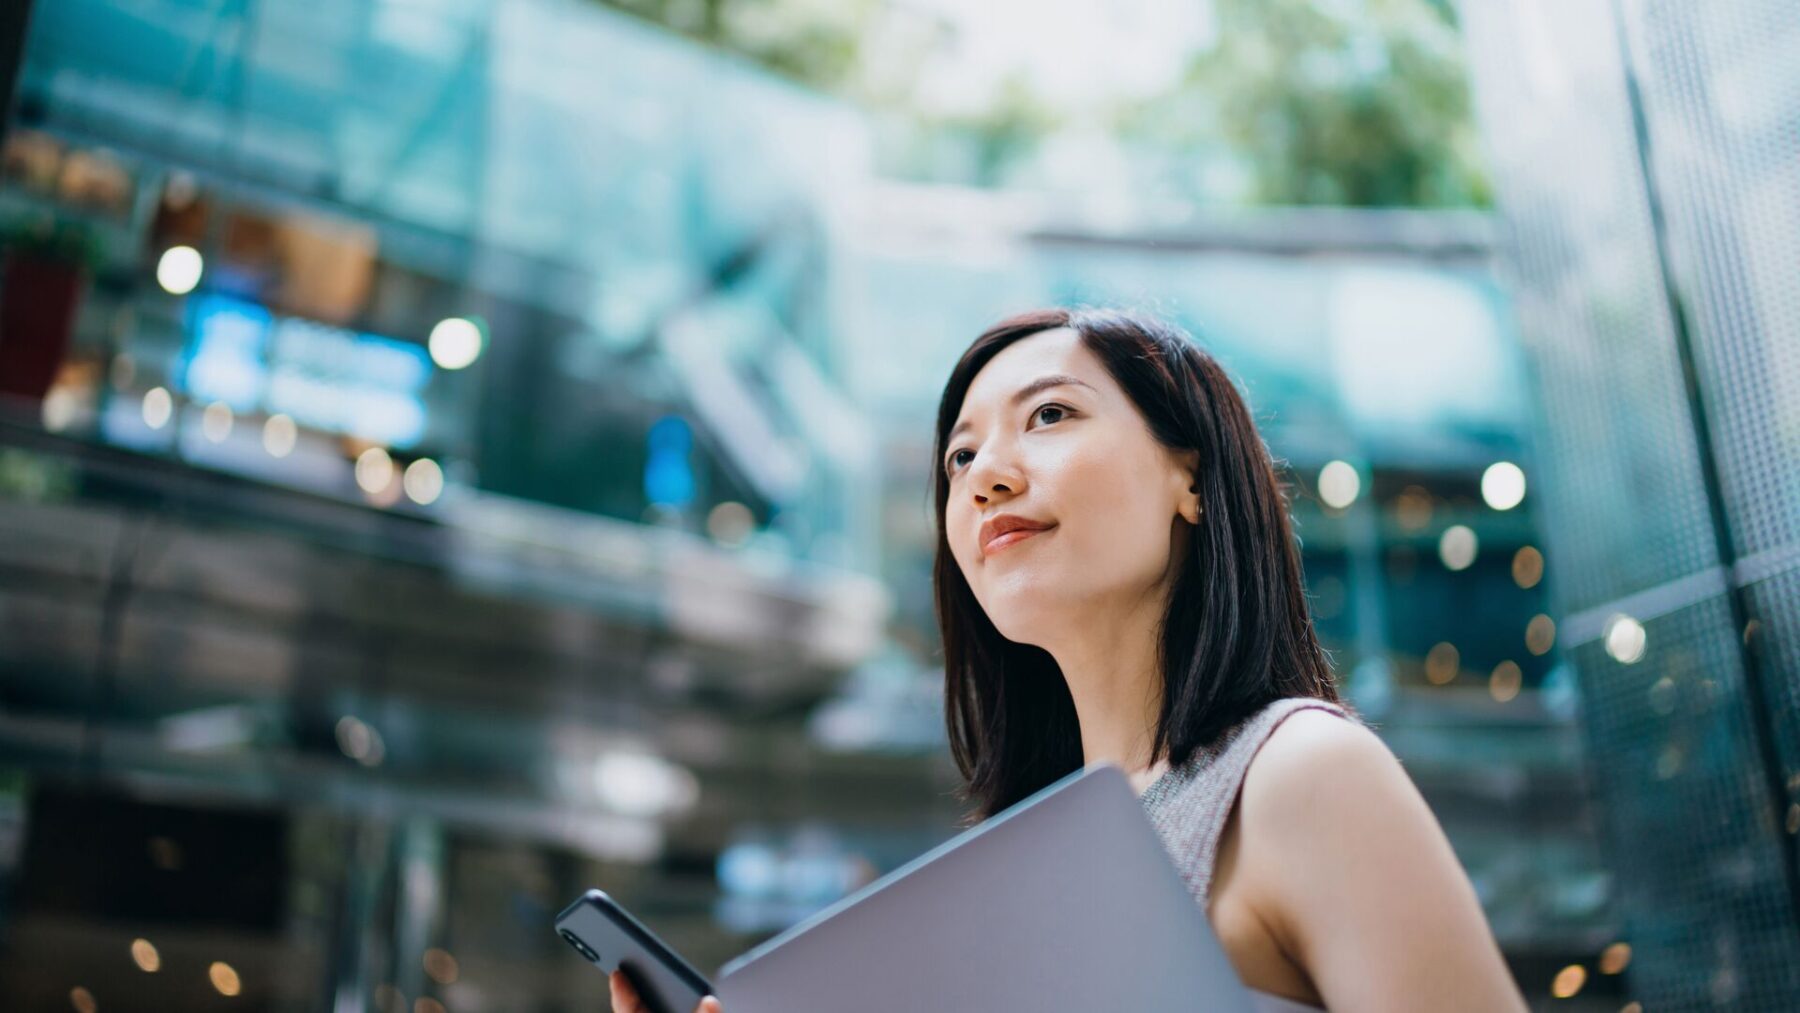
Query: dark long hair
1236, 633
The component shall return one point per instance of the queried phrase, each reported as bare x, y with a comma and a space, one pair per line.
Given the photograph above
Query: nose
994, 476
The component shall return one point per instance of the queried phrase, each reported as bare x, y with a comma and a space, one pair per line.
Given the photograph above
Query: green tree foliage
814, 42
1348, 102
1354, 102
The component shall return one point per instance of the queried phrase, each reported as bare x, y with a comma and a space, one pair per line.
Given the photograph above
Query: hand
625, 998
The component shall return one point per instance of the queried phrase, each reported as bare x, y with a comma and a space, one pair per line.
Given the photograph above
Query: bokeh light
159, 406
374, 470
1505, 680
441, 966
730, 523
1442, 663
1663, 696
1413, 508
424, 481
1568, 981
1625, 639
641, 784
215, 422
1503, 485
1540, 634
1457, 547
1339, 484
1527, 567
455, 343
60, 408
359, 740
279, 435
224, 978
178, 270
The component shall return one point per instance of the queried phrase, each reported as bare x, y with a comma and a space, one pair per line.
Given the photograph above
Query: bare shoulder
1316, 758
1321, 778
1347, 865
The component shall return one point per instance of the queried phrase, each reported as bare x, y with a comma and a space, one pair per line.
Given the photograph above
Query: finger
624, 997
709, 1005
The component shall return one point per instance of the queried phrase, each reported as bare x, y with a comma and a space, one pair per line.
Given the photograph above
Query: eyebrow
1042, 383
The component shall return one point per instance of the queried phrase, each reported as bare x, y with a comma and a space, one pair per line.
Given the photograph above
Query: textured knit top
1190, 804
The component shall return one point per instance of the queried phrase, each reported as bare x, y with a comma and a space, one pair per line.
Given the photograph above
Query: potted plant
45, 261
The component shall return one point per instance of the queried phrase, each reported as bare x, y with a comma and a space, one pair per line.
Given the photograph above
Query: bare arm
1356, 880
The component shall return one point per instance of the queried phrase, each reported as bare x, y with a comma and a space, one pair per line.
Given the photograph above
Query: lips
1004, 530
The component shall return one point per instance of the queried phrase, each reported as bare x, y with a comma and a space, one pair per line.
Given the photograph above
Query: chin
1019, 633
1028, 619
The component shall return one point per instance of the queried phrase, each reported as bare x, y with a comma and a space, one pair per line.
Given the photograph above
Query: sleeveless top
1190, 804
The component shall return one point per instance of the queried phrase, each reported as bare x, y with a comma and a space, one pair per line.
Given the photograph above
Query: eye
1045, 414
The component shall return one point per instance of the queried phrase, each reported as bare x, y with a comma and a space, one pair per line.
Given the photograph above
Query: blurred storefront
411, 526
477, 451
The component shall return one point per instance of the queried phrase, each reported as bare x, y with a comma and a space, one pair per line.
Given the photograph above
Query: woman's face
1047, 440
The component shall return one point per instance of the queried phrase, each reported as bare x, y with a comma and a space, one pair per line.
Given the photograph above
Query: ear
1187, 483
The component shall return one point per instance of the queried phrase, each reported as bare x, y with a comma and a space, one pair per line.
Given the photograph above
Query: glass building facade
1645, 156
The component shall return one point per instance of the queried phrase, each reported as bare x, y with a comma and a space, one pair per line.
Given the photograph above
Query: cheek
956, 522
1118, 519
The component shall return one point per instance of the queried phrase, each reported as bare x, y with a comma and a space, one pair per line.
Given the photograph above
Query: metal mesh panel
1622, 478
1773, 638
1721, 87
1693, 844
1695, 823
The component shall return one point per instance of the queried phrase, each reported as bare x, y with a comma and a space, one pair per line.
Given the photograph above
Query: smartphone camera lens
580, 947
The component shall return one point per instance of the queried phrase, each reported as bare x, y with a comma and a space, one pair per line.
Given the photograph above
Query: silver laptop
1066, 901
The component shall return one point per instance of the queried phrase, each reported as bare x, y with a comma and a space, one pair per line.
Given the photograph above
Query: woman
1117, 582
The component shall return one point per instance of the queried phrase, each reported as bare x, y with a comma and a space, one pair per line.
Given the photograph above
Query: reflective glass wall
332, 186
1646, 161
417, 502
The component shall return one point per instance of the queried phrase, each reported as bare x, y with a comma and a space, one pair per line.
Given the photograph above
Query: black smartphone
603, 932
